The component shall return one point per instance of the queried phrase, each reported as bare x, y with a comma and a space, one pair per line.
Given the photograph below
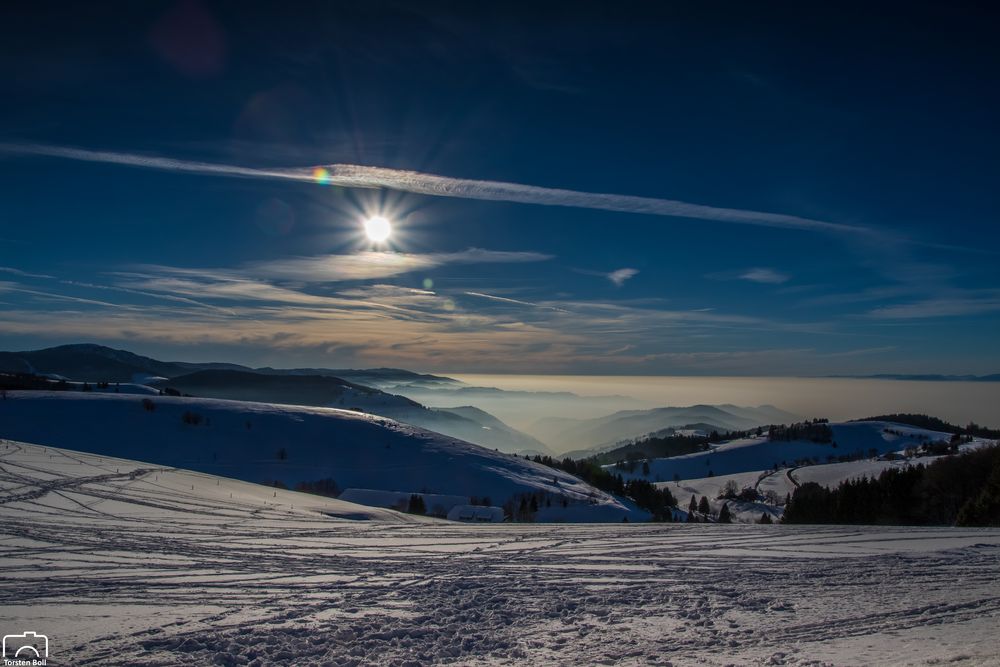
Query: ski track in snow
122, 563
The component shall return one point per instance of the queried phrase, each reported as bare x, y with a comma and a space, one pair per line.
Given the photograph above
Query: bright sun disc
378, 229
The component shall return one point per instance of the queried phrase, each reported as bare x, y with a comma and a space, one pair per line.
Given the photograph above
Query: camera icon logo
26, 645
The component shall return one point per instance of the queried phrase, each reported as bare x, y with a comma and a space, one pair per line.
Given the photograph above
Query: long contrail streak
361, 176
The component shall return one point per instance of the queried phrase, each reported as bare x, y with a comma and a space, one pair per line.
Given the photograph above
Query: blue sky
853, 153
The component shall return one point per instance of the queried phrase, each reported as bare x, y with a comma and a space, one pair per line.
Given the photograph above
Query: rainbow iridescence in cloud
321, 175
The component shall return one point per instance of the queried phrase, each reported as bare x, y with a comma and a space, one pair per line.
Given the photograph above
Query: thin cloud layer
372, 323
766, 276
378, 265
959, 306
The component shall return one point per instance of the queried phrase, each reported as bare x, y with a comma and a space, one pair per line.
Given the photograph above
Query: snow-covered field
126, 563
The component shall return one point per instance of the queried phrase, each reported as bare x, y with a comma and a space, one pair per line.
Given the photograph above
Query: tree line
934, 424
961, 490
665, 446
646, 495
817, 430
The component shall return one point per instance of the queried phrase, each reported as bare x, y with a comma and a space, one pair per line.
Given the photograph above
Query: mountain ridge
98, 363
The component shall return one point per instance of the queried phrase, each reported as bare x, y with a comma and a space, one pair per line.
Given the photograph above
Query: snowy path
140, 569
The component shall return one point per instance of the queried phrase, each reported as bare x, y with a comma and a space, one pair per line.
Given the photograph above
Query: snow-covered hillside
121, 563
43, 481
776, 484
74, 367
755, 454
780, 482
262, 443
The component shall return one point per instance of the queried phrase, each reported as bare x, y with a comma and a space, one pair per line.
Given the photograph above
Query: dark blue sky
882, 122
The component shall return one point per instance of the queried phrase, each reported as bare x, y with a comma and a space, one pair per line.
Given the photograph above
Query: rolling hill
261, 442
760, 454
465, 423
95, 363
305, 386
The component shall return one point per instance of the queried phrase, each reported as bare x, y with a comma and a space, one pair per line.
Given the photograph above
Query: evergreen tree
693, 506
523, 510
704, 507
416, 505
724, 516
983, 510
765, 518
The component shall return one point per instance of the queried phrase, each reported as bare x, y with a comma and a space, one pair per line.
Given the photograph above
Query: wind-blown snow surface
246, 441
121, 563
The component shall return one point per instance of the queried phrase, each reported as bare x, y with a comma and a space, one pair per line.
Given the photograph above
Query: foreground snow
123, 563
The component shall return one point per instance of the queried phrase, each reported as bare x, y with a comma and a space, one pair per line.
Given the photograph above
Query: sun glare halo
378, 229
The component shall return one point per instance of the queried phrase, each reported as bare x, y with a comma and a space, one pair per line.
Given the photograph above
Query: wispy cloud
53, 296
618, 276
621, 275
378, 323
126, 290
377, 265
758, 274
765, 275
938, 307
502, 299
362, 176
516, 302
22, 274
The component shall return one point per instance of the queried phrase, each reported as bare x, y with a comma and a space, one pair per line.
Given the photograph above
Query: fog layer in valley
834, 398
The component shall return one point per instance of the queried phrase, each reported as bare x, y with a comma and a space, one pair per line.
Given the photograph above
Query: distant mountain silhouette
923, 377
87, 361
578, 435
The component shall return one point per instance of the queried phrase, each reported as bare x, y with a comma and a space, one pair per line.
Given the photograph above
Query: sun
378, 229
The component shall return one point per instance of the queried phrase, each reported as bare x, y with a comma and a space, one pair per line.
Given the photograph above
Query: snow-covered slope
754, 454
777, 484
40, 481
262, 443
469, 424
781, 482
122, 566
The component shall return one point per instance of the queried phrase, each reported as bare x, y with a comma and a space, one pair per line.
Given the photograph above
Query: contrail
360, 176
